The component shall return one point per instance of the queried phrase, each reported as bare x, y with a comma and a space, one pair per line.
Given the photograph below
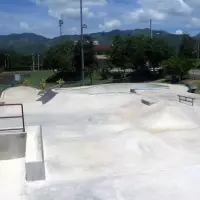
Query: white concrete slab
95, 147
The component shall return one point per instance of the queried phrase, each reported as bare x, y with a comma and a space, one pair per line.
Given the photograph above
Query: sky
42, 16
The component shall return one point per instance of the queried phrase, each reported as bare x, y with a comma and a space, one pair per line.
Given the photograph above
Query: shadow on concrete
12, 146
46, 97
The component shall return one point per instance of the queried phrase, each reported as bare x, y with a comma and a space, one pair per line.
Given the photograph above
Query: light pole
33, 60
38, 62
5, 56
151, 33
81, 38
61, 22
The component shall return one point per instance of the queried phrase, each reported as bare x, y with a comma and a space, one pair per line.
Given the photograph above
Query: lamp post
33, 60
151, 33
81, 38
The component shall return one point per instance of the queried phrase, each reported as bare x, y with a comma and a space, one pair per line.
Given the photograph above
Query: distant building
96, 42
102, 49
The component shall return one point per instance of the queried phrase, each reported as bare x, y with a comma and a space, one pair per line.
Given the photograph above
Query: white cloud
71, 8
110, 24
71, 13
142, 15
173, 7
24, 25
179, 32
102, 14
73, 30
193, 23
63, 3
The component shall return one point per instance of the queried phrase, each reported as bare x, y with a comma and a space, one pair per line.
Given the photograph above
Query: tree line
141, 54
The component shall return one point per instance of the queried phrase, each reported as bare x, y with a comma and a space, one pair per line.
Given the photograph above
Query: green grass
96, 80
35, 78
195, 82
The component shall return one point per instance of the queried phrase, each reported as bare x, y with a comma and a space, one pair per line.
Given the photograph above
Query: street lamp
151, 33
81, 38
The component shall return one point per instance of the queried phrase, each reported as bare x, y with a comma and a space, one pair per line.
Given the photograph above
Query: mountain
28, 43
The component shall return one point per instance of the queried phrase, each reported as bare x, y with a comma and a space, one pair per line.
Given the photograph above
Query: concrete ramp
20, 94
167, 118
35, 169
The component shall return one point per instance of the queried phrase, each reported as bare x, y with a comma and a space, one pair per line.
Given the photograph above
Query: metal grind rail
14, 117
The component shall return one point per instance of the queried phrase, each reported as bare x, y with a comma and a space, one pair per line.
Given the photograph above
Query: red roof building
102, 47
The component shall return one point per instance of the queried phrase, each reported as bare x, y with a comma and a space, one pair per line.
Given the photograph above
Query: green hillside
28, 43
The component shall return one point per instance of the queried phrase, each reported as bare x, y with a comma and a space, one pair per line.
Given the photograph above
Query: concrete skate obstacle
35, 168
148, 101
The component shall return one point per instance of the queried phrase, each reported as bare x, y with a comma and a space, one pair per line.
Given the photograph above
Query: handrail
17, 116
186, 98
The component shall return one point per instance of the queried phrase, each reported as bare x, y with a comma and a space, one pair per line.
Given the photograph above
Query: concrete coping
35, 169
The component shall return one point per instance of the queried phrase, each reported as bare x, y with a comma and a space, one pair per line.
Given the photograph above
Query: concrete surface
102, 143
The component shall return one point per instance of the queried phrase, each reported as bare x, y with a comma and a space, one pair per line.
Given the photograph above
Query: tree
136, 51
177, 66
90, 61
187, 46
90, 58
60, 58
158, 50
117, 55
2, 59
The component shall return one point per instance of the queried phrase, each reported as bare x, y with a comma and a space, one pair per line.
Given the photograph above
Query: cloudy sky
41, 16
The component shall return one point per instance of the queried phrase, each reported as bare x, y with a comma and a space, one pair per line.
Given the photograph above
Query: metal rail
186, 99
17, 116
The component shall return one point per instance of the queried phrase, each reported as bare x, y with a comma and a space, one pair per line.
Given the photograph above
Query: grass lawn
96, 80
195, 82
35, 78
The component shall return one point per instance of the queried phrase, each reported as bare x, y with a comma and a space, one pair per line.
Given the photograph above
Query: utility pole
38, 62
81, 38
33, 60
5, 59
198, 49
151, 33
61, 22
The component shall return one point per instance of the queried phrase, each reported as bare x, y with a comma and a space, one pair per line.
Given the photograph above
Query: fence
14, 117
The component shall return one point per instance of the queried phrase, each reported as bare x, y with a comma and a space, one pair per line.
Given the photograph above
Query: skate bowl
149, 87
20, 94
113, 88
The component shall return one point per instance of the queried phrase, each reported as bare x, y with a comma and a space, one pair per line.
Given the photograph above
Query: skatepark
100, 143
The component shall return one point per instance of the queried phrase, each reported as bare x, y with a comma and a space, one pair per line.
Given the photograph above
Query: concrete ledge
148, 101
35, 168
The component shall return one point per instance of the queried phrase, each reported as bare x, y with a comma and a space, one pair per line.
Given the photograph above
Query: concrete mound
167, 118
21, 94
